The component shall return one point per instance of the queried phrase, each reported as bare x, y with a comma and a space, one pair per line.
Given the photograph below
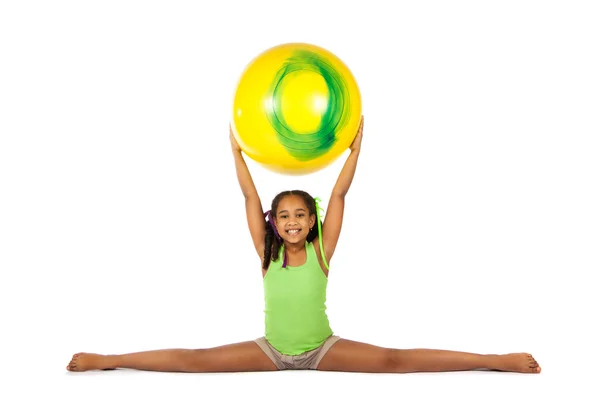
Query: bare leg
237, 357
350, 356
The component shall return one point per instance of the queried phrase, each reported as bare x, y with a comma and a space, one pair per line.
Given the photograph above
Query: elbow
250, 194
339, 194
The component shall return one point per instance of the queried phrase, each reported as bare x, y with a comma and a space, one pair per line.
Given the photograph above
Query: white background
472, 223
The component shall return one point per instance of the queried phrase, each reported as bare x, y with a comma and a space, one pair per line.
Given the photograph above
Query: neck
294, 247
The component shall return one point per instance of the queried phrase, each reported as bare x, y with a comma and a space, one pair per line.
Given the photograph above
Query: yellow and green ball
296, 109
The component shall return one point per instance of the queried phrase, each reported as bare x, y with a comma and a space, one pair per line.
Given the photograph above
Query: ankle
492, 361
111, 361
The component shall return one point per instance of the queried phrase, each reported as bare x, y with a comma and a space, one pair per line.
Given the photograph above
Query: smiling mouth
293, 232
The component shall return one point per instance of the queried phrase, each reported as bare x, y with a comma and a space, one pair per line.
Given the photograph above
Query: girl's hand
355, 146
234, 144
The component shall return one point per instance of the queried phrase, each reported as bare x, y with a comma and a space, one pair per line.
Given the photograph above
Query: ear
312, 220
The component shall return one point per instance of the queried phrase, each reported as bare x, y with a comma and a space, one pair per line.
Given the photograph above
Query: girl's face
292, 219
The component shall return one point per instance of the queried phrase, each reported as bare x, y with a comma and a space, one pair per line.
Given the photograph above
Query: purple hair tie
268, 215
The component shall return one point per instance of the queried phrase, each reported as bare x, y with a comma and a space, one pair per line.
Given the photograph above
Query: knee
394, 361
192, 361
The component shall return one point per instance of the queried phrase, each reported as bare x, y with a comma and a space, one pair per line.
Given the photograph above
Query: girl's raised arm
332, 224
254, 212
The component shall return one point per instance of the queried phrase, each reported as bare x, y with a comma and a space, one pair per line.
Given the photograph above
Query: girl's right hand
235, 146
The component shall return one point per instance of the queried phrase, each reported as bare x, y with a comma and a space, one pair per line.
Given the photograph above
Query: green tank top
295, 313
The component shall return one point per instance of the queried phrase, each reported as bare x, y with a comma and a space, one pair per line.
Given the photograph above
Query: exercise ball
296, 108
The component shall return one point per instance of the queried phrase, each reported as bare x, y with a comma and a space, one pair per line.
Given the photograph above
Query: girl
295, 251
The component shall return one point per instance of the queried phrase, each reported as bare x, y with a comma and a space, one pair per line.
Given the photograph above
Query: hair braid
269, 241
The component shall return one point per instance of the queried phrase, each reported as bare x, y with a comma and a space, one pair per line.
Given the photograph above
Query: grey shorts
307, 360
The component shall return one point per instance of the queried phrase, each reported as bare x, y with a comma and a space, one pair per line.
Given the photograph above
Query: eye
283, 216
300, 215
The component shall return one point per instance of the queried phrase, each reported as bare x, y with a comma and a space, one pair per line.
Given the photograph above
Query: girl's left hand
358, 138
235, 146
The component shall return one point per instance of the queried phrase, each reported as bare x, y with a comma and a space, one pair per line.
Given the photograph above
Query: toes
73, 363
534, 367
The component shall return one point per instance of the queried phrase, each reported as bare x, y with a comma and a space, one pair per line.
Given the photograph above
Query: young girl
295, 252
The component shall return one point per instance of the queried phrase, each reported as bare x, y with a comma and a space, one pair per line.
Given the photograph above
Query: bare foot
87, 361
516, 362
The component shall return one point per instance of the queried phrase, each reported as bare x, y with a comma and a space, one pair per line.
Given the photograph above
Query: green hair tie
318, 208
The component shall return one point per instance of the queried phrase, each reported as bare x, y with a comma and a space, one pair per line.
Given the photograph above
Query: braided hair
273, 241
